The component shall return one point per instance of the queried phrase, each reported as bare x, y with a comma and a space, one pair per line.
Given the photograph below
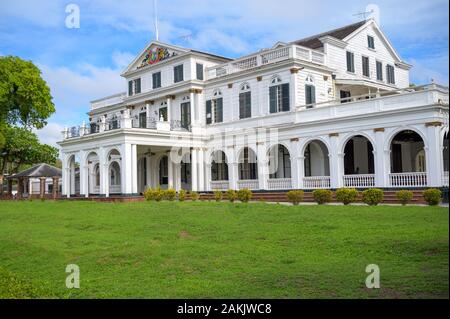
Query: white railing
279, 183
360, 180
415, 179
250, 184
220, 185
316, 182
445, 179
115, 189
266, 57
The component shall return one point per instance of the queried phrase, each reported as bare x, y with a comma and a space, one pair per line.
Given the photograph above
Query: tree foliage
22, 148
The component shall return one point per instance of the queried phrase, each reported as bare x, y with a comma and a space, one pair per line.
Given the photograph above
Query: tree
22, 148
25, 97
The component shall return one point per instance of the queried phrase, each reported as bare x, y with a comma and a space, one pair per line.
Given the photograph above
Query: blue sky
84, 64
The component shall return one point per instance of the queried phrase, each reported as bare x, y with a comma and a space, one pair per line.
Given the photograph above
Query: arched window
407, 153
310, 91
97, 174
279, 162
115, 174
279, 95
245, 101
219, 167
214, 108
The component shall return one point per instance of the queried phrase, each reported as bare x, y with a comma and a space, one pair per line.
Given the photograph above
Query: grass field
221, 250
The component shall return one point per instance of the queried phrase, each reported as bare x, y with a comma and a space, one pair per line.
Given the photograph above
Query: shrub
218, 196
404, 196
244, 195
432, 196
346, 195
194, 196
373, 196
149, 194
231, 195
170, 194
158, 194
295, 197
182, 195
322, 196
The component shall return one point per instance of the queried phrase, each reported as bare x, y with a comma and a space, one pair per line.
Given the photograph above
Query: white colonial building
329, 111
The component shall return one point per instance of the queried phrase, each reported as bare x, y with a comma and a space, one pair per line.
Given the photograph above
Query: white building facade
333, 110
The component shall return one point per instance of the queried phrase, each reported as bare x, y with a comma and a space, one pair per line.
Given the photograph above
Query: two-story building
328, 111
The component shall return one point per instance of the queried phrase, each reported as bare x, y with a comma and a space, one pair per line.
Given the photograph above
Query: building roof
40, 170
313, 42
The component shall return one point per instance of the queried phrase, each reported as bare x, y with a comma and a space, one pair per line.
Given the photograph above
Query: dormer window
279, 95
370, 42
214, 108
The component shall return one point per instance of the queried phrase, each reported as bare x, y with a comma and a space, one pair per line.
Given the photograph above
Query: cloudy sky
84, 64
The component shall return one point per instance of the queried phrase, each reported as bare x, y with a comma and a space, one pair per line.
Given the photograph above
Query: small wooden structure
42, 173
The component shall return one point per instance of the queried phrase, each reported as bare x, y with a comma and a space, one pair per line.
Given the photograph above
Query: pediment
153, 54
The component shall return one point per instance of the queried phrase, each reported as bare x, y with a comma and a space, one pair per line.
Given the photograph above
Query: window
345, 96
350, 62
156, 80
185, 115
134, 87
310, 94
245, 102
178, 73
163, 113
279, 96
370, 42
248, 167
219, 167
214, 109
379, 71
365, 66
199, 71
390, 74
143, 120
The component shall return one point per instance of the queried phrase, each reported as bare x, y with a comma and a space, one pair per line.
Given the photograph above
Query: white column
84, 179
105, 178
170, 173
301, 170
295, 178
101, 166
201, 170
434, 156
169, 106
148, 177
380, 155
193, 111
72, 178
263, 166
194, 172
208, 177
233, 174
66, 178
126, 170
294, 84
134, 179
336, 162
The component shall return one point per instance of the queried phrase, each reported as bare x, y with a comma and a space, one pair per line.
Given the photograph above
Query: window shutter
248, 104
199, 71
130, 88
208, 112
219, 110
273, 99
310, 94
285, 97
138, 86
242, 105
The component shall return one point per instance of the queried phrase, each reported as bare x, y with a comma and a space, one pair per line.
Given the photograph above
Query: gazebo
44, 174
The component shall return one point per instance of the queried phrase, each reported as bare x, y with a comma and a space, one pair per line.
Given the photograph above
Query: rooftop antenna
155, 10
372, 11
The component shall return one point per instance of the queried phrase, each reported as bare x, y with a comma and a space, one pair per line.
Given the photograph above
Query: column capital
379, 130
333, 135
433, 124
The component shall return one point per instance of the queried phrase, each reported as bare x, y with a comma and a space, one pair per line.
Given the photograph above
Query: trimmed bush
244, 195
295, 197
170, 194
194, 196
182, 195
346, 195
231, 195
373, 196
432, 196
218, 196
404, 196
158, 194
322, 196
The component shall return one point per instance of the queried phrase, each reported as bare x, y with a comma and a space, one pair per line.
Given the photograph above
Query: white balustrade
316, 182
279, 183
250, 184
220, 185
414, 179
360, 180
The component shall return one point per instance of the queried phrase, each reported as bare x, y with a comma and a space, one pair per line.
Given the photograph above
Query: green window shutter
310, 94
138, 86
130, 88
219, 110
208, 112
242, 105
285, 97
248, 104
273, 99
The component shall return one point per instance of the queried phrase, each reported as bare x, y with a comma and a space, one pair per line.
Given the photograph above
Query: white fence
415, 179
220, 185
250, 184
315, 182
360, 180
279, 183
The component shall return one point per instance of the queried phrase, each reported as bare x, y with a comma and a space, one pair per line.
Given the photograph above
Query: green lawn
221, 250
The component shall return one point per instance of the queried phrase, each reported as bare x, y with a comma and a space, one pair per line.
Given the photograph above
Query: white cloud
50, 134
426, 69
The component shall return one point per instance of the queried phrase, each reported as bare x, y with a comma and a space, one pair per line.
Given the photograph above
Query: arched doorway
114, 178
316, 165
93, 179
359, 164
248, 169
74, 175
164, 172
408, 160
279, 168
219, 171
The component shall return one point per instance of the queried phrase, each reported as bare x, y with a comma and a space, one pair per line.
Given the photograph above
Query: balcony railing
220, 185
252, 184
316, 182
148, 123
279, 183
264, 58
415, 179
361, 180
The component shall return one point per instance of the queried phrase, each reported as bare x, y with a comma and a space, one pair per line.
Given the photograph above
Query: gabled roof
40, 170
313, 42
